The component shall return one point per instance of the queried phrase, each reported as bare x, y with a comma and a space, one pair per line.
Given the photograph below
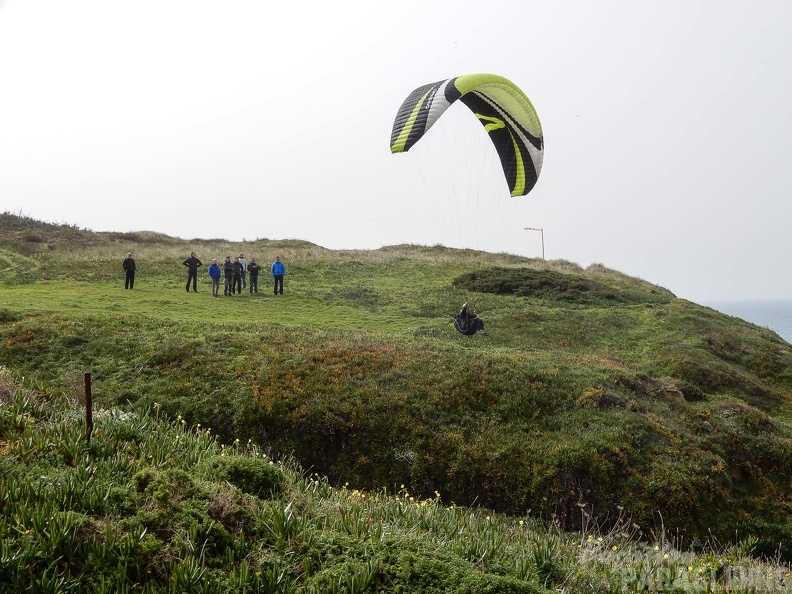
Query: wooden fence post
88, 409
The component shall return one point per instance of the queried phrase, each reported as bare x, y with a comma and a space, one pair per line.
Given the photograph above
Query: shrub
166, 486
7, 316
555, 286
255, 476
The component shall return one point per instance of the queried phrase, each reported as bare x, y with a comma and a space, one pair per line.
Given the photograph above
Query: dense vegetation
596, 399
150, 505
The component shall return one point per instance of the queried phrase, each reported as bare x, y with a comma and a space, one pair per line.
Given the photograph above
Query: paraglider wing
502, 108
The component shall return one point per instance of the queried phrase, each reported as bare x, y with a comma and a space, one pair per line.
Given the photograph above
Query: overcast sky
668, 143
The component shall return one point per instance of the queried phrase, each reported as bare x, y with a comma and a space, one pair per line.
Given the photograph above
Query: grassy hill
596, 399
153, 506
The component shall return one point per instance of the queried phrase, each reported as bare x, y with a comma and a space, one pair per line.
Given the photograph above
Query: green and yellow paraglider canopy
502, 108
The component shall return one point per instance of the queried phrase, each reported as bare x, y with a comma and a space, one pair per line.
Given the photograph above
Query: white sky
667, 127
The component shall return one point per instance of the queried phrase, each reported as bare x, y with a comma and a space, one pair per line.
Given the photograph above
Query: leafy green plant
257, 476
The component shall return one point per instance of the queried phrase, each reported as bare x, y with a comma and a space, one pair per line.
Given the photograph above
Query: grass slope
595, 398
153, 506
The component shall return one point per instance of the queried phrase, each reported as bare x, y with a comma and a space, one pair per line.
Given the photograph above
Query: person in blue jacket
214, 274
278, 271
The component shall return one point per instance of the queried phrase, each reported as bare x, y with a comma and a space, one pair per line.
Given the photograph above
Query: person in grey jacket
244, 269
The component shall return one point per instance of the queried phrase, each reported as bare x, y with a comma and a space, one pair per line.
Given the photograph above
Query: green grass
152, 505
595, 398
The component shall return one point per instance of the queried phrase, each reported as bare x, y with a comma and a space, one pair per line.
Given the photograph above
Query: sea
773, 314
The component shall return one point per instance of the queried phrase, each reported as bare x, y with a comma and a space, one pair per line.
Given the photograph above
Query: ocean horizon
773, 314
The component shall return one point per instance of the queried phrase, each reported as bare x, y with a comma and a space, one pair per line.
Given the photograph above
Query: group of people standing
236, 274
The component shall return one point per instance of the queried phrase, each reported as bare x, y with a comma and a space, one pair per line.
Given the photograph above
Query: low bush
550, 285
256, 476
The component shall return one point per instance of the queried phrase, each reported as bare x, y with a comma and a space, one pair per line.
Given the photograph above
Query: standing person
214, 274
129, 266
237, 269
192, 263
253, 269
278, 271
244, 269
228, 269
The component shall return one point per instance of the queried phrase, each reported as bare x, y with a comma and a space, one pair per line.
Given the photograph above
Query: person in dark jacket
228, 272
193, 264
237, 270
253, 272
129, 266
467, 322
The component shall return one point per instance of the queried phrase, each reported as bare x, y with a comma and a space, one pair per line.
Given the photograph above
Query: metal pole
542, 231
